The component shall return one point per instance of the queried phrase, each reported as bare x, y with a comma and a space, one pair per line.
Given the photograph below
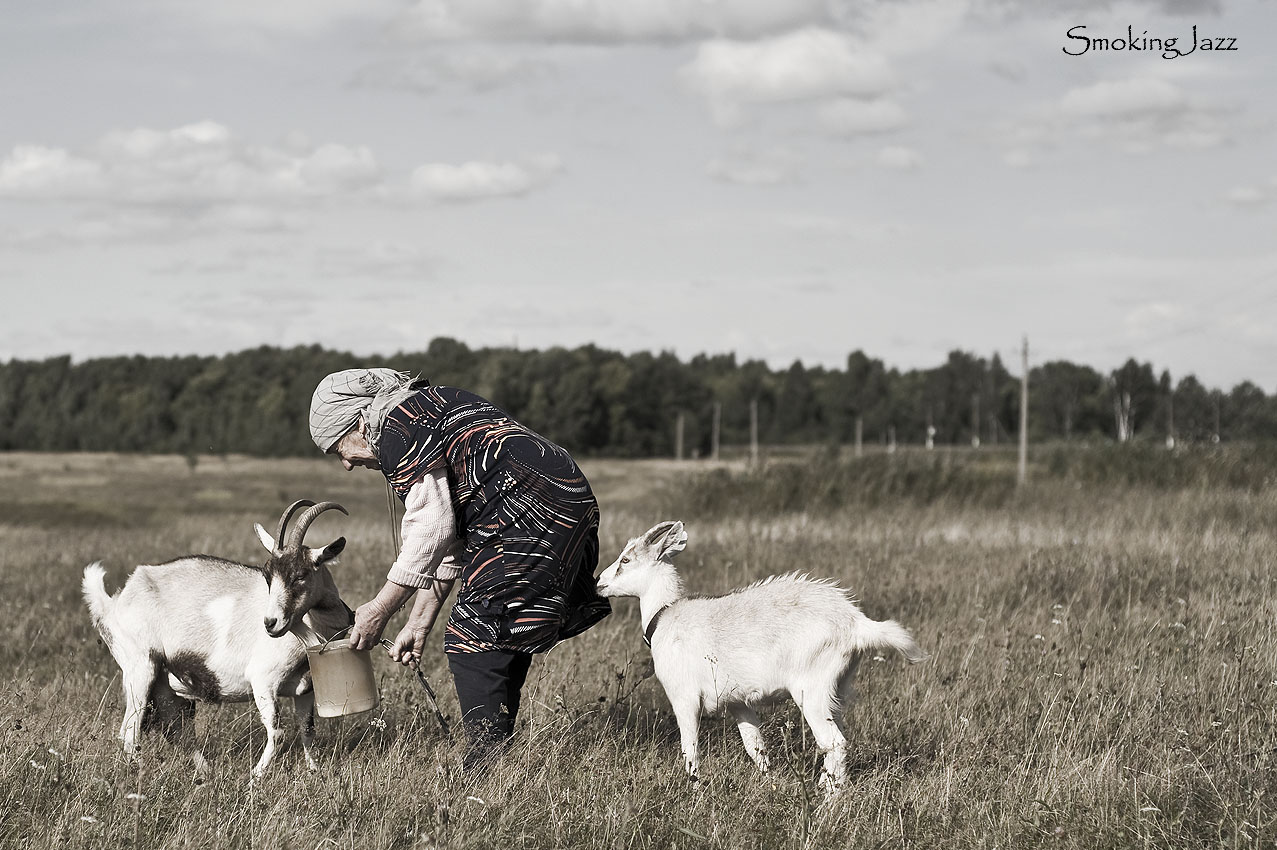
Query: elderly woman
486, 501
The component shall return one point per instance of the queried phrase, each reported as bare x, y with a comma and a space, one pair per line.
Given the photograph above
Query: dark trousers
488, 690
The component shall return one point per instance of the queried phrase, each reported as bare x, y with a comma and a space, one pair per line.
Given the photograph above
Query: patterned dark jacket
525, 511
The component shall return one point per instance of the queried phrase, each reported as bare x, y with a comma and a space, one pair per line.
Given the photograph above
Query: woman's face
353, 449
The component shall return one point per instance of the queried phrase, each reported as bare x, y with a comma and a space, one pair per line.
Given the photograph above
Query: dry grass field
1103, 668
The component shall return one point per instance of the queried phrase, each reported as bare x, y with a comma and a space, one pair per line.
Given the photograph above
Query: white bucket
342, 678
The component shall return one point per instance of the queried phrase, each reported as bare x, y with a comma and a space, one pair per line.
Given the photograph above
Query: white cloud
1154, 319
1128, 98
752, 169
1252, 196
198, 165
32, 171
897, 28
611, 21
473, 69
378, 261
808, 64
474, 180
849, 117
1135, 115
899, 158
303, 17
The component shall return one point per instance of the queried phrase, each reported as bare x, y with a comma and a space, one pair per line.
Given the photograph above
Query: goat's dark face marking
294, 584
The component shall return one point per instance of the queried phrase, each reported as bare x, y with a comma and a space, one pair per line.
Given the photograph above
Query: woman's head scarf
342, 397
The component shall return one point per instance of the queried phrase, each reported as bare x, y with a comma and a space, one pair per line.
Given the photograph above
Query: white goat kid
783, 635
202, 628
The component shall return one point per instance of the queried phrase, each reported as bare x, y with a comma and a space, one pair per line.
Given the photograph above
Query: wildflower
1038, 637
966, 721
1055, 622
1057, 607
36, 765
378, 723
54, 753
135, 797
88, 818
879, 658
478, 800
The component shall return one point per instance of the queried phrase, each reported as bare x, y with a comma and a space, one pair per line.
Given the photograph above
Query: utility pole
860, 434
1024, 413
753, 432
891, 439
678, 437
713, 437
931, 431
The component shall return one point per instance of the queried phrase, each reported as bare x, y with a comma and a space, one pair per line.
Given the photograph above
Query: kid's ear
668, 538
264, 536
332, 550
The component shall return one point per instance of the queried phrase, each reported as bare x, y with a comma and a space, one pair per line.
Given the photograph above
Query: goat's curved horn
304, 521
285, 517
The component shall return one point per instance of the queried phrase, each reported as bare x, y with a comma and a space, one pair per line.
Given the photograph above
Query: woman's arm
411, 640
429, 541
372, 616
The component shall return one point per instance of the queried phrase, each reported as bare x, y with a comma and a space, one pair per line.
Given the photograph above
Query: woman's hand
372, 616
411, 642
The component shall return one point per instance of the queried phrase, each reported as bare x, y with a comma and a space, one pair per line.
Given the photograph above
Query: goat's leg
268, 705
137, 680
747, 723
847, 684
688, 714
173, 715
822, 715
304, 708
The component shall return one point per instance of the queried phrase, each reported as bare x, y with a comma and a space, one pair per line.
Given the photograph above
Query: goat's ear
264, 536
668, 539
332, 550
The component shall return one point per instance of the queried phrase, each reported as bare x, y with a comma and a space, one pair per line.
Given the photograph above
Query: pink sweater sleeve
429, 531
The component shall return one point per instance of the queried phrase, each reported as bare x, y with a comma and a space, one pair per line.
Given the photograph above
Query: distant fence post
860, 434
678, 437
975, 421
713, 436
1024, 414
753, 432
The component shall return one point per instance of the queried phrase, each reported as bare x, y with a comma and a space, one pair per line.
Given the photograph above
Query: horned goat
783, 635
200, 628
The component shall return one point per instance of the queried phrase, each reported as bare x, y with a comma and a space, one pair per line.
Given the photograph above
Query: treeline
600, 402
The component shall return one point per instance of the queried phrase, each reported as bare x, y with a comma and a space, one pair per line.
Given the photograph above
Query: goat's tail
890, 634
96, 597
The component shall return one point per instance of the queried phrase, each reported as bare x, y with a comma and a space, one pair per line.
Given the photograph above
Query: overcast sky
779, 178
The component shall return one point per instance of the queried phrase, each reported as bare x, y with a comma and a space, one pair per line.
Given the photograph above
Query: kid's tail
96, 597
890, 634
